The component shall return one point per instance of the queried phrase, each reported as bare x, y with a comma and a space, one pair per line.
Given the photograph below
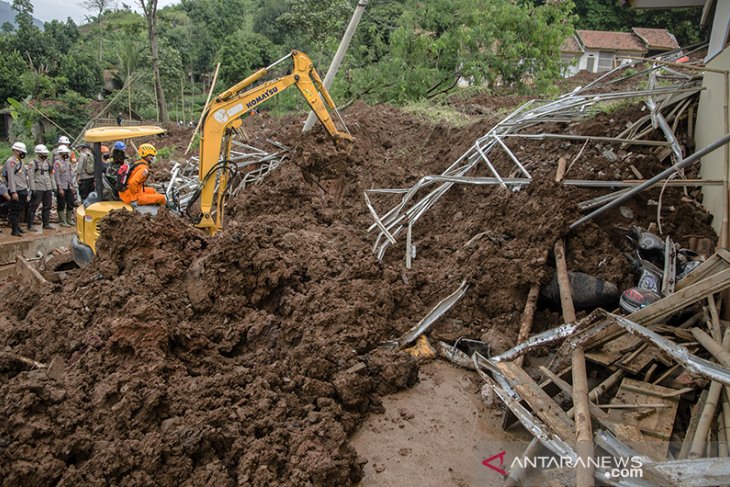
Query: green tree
371, 43
129, 60
316, 26
70, 112
60, 37
242, 53
39, 85
684, 23
82, 72
99, 6
12, 67
24, 118
500, 42
266, 20
28, 38
149, 7
213, 21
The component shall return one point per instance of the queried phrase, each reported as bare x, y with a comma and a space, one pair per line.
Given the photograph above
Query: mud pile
250, 357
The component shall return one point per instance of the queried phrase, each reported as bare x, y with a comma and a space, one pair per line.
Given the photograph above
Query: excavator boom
224, 115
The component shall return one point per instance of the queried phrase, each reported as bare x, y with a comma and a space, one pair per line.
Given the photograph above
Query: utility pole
339, 56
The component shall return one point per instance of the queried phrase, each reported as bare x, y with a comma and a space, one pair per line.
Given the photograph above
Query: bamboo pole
47, 118
25, 360
583, 428
718, 351
715, 318
182, 99
205, 108
560, 173
104, 110
726, 416
722, 450
157, 105
703, 427
129, 98
528, 316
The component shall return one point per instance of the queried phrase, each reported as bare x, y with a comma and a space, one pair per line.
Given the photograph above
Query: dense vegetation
404, 50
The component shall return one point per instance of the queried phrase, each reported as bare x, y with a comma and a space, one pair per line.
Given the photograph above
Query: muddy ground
251, 357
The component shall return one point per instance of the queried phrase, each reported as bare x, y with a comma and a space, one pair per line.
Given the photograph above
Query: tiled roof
571, 45
610, 41
657, 38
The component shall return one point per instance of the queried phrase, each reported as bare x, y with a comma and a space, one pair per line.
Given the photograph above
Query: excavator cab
219, 122
99, 203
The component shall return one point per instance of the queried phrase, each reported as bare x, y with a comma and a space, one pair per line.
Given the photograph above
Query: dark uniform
17, 177
42, 186
85, 173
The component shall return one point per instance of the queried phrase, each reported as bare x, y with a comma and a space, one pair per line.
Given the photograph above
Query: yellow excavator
219, 124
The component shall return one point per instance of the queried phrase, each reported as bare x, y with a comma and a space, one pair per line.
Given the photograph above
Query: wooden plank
638, 360
699, 472
659, 310
624, 432
28, 274
656, 429
542, 405
669, 305
717, 262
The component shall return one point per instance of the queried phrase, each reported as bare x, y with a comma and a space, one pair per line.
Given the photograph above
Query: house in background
713, 114
598, 51
656, 41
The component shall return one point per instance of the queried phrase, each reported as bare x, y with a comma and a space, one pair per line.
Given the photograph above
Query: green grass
611, 107
164, 152
437, 113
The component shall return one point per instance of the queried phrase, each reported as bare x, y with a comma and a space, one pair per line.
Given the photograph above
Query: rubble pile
250, 357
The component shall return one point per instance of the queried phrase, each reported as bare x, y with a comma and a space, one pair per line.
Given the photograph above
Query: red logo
498, 469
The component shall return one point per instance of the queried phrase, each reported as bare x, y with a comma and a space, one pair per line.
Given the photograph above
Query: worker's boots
62, 219
70, 218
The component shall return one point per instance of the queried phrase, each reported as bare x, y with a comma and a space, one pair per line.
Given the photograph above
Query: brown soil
251, 357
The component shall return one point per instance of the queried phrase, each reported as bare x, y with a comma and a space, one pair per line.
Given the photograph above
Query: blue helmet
119, 146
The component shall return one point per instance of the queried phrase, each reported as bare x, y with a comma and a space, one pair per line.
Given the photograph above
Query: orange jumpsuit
136, 190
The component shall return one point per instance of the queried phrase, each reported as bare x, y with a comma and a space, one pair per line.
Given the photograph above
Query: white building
597, 51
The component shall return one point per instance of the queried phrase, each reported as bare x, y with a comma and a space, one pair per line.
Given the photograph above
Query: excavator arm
224, 115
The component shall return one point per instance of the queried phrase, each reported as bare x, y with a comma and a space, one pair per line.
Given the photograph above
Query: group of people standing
30, 184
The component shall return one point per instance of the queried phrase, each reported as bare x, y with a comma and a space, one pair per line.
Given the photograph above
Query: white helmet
62, 149
20, 147
64, 140
41, 150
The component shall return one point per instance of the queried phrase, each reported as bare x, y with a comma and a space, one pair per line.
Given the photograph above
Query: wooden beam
542, 405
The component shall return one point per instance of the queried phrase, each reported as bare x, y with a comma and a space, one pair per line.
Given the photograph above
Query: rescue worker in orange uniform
136, 192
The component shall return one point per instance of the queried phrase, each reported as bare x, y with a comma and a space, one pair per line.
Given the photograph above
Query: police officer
16, 174
85, 171
62, 140
65, 198
42, 187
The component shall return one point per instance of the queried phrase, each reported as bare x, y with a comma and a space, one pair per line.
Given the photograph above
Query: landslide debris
250, 357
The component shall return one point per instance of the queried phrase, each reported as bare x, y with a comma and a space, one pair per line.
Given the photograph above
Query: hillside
7, 14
